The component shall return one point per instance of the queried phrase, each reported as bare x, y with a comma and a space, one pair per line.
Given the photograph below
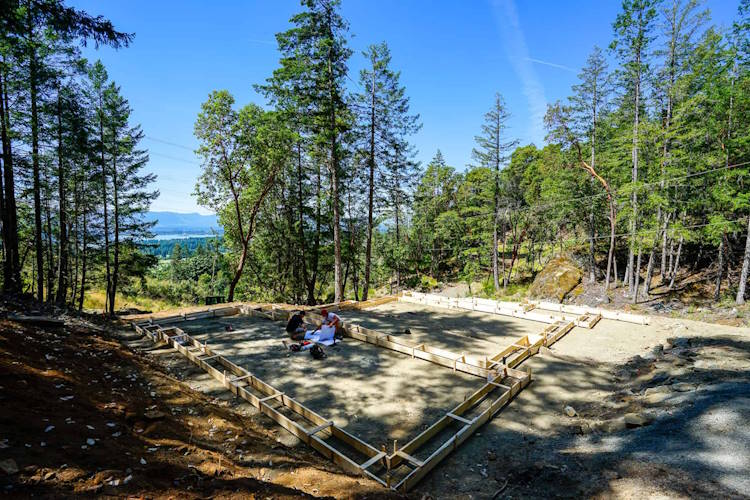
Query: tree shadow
698, 443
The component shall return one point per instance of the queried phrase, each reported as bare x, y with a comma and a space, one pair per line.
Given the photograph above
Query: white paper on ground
322, 336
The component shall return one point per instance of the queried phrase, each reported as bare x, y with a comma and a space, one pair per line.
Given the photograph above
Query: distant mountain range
179, 223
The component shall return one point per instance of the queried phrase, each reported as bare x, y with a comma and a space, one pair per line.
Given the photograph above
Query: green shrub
428, 283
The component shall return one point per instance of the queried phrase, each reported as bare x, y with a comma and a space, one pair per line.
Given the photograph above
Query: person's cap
323, 312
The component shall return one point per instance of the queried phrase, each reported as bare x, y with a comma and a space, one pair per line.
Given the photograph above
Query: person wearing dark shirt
296, 326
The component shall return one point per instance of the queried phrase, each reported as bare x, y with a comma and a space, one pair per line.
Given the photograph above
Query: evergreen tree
383, 123
131, 196
492, 151
633, 37
312, 71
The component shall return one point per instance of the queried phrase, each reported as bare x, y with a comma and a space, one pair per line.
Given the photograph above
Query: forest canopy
642, 178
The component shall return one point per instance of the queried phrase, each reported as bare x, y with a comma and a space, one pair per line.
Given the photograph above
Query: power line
169, 143
584, 239
531, 208
174, 158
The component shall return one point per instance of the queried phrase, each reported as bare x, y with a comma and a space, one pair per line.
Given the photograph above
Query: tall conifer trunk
12, 266
370, 189
62, 270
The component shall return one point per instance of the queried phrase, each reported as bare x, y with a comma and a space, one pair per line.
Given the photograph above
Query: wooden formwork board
531, 310
512, 309
310, 435
498, 370
213, 312
469, 426
638, 319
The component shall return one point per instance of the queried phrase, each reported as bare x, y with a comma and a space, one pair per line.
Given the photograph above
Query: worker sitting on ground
296, 326
331, 319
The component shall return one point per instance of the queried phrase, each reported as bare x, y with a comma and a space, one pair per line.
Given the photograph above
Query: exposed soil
661, 410
84, 416
377, 394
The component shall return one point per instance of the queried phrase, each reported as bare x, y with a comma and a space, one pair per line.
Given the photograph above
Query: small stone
613, 425
684, 387
570, 411
49, 475
636, 419
49, 428
491, 455
657, 397
9, 466
90, 442
143, 462
610, 475
659, 389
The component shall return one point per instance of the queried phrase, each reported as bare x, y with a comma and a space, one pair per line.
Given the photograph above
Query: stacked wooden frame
539, 311
401, 469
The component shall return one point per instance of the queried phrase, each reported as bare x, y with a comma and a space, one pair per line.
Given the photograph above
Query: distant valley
175, 225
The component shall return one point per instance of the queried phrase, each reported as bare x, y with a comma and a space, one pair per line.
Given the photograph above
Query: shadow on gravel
696, 441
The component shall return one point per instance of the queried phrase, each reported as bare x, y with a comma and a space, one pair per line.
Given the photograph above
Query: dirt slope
83, 416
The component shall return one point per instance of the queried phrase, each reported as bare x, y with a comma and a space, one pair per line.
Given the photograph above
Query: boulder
556, 280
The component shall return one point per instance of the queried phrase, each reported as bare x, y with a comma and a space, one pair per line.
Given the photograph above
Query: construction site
417, 377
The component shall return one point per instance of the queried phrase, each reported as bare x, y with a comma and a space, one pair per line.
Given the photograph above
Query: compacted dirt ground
622, 411
82, 415
379, 395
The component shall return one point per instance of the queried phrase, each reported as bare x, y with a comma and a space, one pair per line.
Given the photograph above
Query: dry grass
94, 300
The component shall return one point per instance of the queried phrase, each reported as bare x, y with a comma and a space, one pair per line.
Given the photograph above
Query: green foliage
427, 284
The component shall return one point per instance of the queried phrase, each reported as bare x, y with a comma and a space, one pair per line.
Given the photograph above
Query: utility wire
169, 143
531, 208
584, 239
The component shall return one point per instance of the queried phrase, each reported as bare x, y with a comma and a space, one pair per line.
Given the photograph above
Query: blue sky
453, 55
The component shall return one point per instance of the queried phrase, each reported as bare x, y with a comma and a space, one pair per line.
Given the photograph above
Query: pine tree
131, 196
633, 37
740, 49
492, 151
589, 101
383, 124
312, 71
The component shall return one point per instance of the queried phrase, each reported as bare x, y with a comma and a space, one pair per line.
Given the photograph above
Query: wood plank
460, 419
210, 357
273, 396
319, 428
372, 460
410, 458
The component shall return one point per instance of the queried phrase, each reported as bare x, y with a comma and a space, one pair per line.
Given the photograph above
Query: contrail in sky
518, 55
553, 65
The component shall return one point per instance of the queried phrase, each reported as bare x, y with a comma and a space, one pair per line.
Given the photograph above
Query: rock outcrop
556, 280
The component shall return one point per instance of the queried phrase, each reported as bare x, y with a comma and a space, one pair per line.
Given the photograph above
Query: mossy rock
556, 280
